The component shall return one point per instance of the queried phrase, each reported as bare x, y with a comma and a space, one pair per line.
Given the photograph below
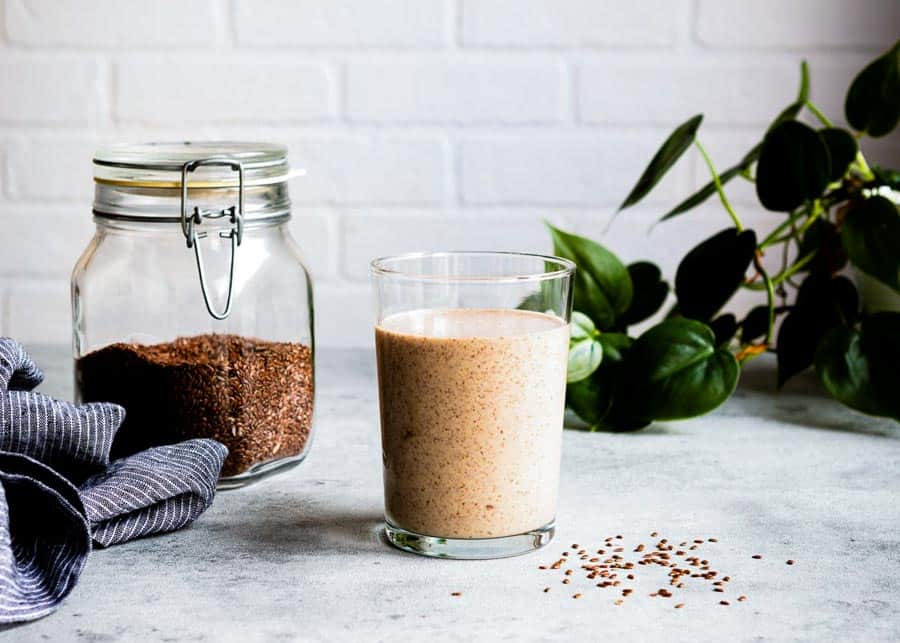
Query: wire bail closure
190, 222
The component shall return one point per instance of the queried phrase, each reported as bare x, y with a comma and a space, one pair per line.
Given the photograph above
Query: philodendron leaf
724, 328
873, 100
585, 356
871, 236
755, 324
823, 238
793, 166
665, 158
581, 327
603, 287
822, 303
591, 397
842, 149
675, 371
859, 367
709, 274
649, 292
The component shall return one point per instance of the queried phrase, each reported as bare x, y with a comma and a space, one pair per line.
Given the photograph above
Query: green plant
833, 208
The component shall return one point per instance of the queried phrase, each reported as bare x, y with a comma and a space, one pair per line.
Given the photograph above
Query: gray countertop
299, 556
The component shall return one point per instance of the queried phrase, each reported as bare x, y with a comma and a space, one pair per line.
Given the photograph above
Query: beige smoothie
471, 419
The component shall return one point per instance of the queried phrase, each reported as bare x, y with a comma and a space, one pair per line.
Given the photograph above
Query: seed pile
615, 569
254, 396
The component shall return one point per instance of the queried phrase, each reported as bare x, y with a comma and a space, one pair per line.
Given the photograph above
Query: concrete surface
300, 557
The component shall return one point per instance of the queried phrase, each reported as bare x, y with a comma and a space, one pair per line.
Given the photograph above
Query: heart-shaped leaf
793, 166
585, 356
649, 292
871, 236
591, 398
709, 274
842, 149
822, 304
674, 371
603, 287
581, 327
724, 328
859, 367
873, 100
823, 238
664, 159
755, 324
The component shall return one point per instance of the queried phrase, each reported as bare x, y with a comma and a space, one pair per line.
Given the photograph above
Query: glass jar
192, 307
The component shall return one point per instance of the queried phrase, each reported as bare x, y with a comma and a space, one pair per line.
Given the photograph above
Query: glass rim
378, 267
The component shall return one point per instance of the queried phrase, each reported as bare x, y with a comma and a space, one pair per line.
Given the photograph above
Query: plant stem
818, 114
718, 183
772, 237
786, 274
864, 169
770, 296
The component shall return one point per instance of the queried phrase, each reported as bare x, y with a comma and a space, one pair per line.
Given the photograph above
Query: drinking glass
472, 350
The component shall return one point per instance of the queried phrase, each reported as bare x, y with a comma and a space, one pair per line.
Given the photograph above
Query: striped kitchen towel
59, 490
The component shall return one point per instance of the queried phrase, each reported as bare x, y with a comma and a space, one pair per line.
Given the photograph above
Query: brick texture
425, 125
562, 23
312, 23
454, 92
113, 23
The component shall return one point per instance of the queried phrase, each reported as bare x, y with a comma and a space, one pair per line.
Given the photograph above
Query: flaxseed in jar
192, 307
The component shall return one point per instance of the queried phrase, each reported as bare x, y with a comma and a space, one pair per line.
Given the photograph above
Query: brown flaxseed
757, 556
254, 396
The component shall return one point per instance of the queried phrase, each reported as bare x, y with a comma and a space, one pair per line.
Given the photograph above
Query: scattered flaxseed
542, 567
678, 606
455, 593
713, 540
546, 589
576, 595
575, 546
742, 598
698, 541
565, 581
619, 601
718, 589
654, 534
757, 556
724, 603
790, 562
569, 572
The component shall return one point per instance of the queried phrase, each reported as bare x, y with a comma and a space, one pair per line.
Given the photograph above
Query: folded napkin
59, 490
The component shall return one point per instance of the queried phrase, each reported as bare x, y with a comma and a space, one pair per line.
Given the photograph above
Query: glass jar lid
162, 165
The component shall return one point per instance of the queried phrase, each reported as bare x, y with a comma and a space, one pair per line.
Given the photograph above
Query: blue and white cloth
59, 492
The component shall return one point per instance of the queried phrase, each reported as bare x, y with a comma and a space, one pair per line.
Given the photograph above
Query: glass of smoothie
472, 350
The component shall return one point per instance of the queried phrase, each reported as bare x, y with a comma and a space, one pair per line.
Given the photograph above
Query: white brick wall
423, 124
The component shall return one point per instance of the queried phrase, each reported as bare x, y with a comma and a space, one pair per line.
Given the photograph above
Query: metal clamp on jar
210, 340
